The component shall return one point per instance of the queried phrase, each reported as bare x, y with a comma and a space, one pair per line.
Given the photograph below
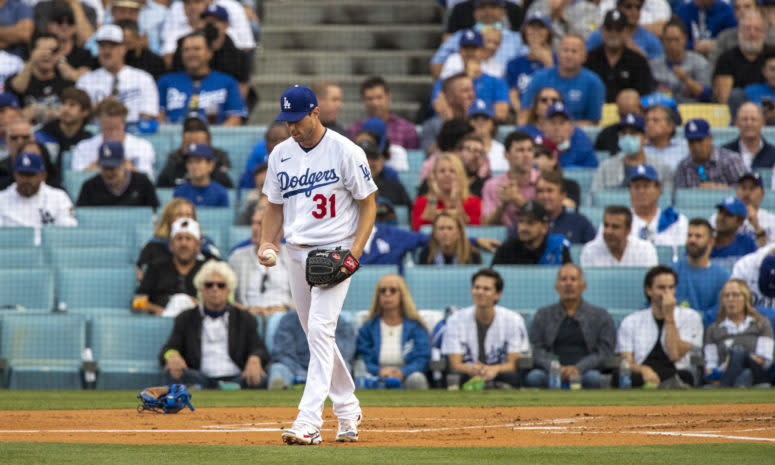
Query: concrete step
402, 88
343, 38
297, 12
266, 111
378, 63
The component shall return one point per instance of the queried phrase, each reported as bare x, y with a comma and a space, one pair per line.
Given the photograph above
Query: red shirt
472, 206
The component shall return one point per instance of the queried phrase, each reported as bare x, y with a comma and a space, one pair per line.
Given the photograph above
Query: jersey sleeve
272, 184
356, 174
65, 214
518, 341
150, 100
451, 342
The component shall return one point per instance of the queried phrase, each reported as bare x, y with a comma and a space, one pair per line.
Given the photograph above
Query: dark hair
194, 124
701, 222
489, 273
79, 96
652, 274
532, 114
128, 24
41, 35
372, 82
260, 168
451, 133
619, 210
516, 136
110, 107
554, 177
446, 84
670, 114
676, 21
197, 33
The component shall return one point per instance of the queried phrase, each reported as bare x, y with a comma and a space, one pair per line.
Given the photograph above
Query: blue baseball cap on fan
696, 128
199, 150
296, 103
734, 206
471, 37
110, 154
767, 276
644, 172
28, 162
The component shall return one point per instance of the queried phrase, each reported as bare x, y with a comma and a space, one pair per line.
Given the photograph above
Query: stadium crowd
85, 84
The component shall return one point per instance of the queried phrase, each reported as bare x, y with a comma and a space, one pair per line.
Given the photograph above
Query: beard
696, 251
751, 46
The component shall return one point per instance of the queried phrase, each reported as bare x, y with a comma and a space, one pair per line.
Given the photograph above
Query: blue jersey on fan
212, 195
519, 72
217, 90
584, 94
488, 88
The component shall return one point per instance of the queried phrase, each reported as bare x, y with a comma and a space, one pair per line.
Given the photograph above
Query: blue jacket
415, 346
290, 343
390, 243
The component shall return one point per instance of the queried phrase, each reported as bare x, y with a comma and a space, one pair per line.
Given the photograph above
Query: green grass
47, 400
60, 454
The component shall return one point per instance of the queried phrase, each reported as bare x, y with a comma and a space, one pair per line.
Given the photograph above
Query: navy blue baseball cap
558, 108
8, 99
643, 172
487, 2
110, 154
696, 128
378, 127
755, 177
480, 107
767, 276
28, 162
633, 120
216, 11
471, 37
296, 103
543, 19
734, 206
199, 150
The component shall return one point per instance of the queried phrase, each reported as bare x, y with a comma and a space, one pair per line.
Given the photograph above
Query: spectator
169, 280
195, 131
582, 336
395, 156
762, 92
28, 202
39, 84
394, 341
450, 140
503, 195
574, 146
200, 189
756, 270
329, 95
759, 223
653, 13
112, 118
62, 134
730, 243
486, 49
656, 341
215, 343
742, 65
18, 135
275, 133
635, 37
535, 118
615, 172
617, 65
290, 354
16, 21
482, 118
486, 12
616, 246
486, 339
264, 290
471, 152
568, 18
117, 184
199, 91
87, 15
656, 225
699, 279
707, 167
255, 196
158, 248
582, 90
739, 344
461, 14
389, 188
704, 20
138, 55
682, 73
756, 151
78, 61
546, 162
662, 141
448, 191
537, 34
9, 112
448, 244
533, 245
458, 91
627, 101
114, 80
550, 193
376, 98
727, 39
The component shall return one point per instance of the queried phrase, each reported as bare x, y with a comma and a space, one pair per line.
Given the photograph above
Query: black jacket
764, 158
244, 341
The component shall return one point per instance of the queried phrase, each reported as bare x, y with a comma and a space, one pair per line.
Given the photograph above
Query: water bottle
360, 373
625, 378
555, 379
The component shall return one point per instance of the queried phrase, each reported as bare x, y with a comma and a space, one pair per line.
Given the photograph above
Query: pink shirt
490, 197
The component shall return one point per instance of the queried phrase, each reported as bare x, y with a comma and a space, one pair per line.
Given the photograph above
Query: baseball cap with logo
110, 33
185, 225
296, 103
379, 127
198, 150
28, 162
534, 210
643, 172
471, 38
545, 146
480, 107
734, 206
111, 154
755, 177
558, 108
696, 128
633, 120
615, 20
8, 99
216, 11
767, 276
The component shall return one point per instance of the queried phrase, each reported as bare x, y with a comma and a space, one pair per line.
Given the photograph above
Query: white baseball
270, 256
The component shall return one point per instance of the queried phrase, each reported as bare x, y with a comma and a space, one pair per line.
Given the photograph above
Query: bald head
628, 101
750, 121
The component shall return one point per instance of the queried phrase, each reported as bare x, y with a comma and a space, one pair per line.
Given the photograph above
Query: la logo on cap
560, 106
192, 147
692, 127
26, 161
630, 119
729, 200
286, 103
539, 140
641, 169
106, 151
469, 34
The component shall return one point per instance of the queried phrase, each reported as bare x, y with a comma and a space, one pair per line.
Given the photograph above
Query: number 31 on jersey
324, 205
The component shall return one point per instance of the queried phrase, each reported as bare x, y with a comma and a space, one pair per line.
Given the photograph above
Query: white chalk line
703, 435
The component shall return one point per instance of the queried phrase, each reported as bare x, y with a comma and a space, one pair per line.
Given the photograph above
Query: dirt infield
415, 426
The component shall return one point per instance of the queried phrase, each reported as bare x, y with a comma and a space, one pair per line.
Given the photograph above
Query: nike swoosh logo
284, 159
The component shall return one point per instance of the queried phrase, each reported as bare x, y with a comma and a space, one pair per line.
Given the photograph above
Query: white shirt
139, 151
638, 334
766, 222
497, 157
637, 253
747, 269
176, 26
49, 206
319, 189
506, 335
10, 64
672, 154
675, 234
258, 285
136, 90
454, 65
764, 344
399, 159
390, 345
748, 156
216, 362
652, 11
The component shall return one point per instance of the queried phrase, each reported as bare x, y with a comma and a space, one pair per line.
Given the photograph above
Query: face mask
563, 146
480, 26
630, 145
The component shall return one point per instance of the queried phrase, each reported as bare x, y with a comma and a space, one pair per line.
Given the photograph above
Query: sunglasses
388, 290
19, 136
210, 284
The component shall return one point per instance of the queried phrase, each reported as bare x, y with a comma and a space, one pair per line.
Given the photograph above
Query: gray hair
216, 267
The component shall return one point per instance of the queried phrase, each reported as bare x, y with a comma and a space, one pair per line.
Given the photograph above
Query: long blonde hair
463, 247
748, 308
457, 165
408, 309
164, 226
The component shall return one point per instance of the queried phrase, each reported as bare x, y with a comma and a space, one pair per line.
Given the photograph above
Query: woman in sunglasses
394, 341
536, 114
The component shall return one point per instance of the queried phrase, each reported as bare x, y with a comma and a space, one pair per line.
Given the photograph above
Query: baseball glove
165, 399
324, 267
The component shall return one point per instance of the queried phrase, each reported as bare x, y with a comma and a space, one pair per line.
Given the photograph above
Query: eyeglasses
210, 284
19, 136
388, 290
550, 100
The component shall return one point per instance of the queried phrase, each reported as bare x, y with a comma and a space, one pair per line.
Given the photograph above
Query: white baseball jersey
506, 335
747, 269
637, 253
176, 26
675, 234
139, 151
50, 206
318, 189
766, 221
136, 90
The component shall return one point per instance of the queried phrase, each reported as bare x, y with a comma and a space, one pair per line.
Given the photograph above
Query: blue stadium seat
96, 257
436, 287
363, 284
583, 176
575, 253
593, 214
126, 349
698, 212
415, 158
667, 255
403, 215
622, 197
13, 237
619, 314
615, 287
31, 288
527, 287
215, 219
766, 174
164, 194
142, 234
60, 236
73, 180
21, 257
43, 351
96, 287
272, 322
701, 198
411, 181
124, 218
490, 232
236, 235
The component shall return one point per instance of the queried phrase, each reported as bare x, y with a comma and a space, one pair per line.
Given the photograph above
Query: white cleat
348, 429
303, 435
